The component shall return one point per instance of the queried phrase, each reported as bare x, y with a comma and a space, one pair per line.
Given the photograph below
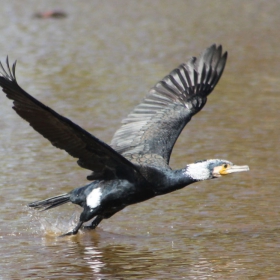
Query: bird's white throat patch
198, 171
93, 199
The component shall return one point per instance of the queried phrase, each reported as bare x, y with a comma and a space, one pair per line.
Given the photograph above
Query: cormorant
135, 167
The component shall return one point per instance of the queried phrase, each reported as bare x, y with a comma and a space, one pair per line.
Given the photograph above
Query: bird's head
212, 168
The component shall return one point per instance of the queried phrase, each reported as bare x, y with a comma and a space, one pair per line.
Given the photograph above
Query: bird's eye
225, 165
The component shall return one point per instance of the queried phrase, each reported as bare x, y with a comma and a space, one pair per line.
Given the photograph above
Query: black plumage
135, 166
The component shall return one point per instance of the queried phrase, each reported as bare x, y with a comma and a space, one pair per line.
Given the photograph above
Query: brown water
93, 67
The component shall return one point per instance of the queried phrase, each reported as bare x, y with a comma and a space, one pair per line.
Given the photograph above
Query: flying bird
135, 166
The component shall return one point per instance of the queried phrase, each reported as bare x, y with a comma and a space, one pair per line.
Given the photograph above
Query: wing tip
213, 60
199, 75
8, 72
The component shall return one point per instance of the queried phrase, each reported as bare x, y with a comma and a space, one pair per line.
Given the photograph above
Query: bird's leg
94, 223
74, 231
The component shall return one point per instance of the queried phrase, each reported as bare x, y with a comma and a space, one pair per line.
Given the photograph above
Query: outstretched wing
154, 125
92, 153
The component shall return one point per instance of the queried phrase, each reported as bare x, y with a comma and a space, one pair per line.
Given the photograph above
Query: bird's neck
173, 180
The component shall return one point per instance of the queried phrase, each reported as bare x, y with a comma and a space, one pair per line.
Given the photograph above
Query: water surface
93, 66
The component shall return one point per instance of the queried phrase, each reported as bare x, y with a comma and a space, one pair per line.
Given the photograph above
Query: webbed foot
68, 233
74, 231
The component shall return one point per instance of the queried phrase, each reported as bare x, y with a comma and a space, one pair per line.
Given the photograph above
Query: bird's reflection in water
103, 254
93, 257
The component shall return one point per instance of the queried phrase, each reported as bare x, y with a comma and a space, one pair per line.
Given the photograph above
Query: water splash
48, 223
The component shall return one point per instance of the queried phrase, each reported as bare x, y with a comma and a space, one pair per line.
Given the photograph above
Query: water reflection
104, 255
94, 259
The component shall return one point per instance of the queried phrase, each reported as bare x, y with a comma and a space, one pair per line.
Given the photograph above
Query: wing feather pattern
92, 153
155, 124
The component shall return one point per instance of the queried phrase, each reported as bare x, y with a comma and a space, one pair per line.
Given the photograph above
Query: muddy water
93, 66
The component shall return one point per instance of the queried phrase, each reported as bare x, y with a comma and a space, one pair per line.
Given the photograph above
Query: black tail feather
50, 202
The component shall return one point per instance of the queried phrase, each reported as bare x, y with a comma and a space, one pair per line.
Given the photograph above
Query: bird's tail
51, 202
